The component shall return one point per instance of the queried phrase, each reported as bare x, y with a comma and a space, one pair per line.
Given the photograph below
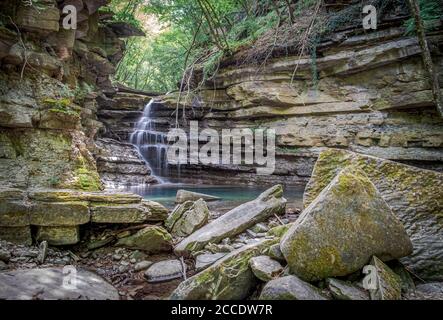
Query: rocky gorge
366, 143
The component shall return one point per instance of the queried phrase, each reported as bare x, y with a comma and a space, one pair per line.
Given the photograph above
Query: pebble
117, 257
5, 256
133, 261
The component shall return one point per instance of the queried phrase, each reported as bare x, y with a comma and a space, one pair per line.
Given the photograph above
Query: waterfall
151, 144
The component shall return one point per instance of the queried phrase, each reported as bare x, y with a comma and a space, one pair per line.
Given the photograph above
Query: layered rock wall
371, 95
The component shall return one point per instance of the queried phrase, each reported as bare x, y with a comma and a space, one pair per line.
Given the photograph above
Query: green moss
63, 105
87, 179
279, 231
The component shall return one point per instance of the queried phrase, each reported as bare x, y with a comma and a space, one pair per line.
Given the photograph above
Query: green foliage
431, 12
196, 33
63, 105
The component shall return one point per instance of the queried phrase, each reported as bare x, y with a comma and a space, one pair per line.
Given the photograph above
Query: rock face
290, 288
150, 240
230, 278
361, 101
265, 268
187, 218
414, 195
184, 195
50, 284
119, 164
339, 232
235, 221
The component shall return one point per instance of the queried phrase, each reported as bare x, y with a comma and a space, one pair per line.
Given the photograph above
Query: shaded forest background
189, 37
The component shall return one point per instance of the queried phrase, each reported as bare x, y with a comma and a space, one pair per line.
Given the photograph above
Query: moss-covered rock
279, 231
151, 240
188, 217
51, 214
230, 278
129, 213
18, 235
339, 232
265, 268
235, 221
388, 284
14, 214
290, 288
59, 236
415, 196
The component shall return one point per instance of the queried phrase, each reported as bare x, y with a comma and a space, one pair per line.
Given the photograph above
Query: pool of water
231, 196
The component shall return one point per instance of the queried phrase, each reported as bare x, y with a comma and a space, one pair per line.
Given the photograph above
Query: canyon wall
53, 82
372, 96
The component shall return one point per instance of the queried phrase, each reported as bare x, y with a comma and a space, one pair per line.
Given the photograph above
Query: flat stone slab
51, 214
184, 195
131, 213
59, 236
164, 271
14, 214
235, 221
66, 195
52, 284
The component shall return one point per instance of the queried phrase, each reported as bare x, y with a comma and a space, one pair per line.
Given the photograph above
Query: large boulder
187, 218
54, 284
184, 195
342, 229
230, 278
236, 221
290, 288
150, 239
414, 195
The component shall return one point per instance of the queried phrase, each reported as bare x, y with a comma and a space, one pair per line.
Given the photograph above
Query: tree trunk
426, 54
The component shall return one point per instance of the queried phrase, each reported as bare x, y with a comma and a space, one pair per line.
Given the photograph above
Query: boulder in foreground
415, 196
235, 221
50, 284
230, 278
342, 229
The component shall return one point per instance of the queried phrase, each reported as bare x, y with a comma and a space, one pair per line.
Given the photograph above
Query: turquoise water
230, 195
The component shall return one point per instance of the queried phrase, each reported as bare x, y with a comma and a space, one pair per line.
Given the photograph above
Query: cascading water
151, 144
